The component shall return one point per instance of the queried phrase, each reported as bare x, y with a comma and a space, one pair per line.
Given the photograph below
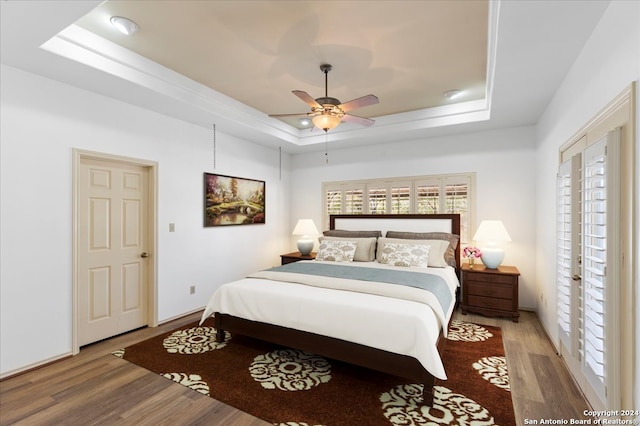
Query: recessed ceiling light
452, 94
124, 25
305, 121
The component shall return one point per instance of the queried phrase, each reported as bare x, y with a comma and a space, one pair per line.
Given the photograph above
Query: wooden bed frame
365, 356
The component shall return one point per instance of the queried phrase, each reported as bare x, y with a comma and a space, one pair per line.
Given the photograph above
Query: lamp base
492, 257
305, 246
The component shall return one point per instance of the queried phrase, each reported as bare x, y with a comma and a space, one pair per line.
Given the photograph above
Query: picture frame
231, 200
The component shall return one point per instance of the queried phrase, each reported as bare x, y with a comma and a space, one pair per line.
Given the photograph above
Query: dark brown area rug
290, 387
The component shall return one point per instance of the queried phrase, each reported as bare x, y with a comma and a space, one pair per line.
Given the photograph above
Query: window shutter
568, 247
456, 200
333, 201
377, 199
353, 200
400, 198
428, 197
421, 194
601, 266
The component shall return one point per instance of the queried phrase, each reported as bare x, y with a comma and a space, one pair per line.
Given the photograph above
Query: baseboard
52, 360
34, 366
177, 317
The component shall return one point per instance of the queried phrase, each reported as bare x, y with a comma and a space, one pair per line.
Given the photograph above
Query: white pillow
436, 252
336, 251
400, 254
365, 249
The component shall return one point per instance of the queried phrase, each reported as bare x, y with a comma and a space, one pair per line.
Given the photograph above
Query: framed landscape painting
230, 200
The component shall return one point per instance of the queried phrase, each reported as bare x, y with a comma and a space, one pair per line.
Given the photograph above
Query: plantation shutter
377, 198
568, 253
354, 200
456, 200
594, 265
588, 264
428, 197
421, 194
342, 198
333, 201
400, 198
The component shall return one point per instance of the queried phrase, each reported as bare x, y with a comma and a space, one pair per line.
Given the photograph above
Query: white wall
42, 121
503, 161
609, 62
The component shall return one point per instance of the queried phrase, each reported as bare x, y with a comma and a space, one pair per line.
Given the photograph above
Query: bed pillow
436, 252
352, 234
336, 251
365, 247
450, 255
402, 254
437, 249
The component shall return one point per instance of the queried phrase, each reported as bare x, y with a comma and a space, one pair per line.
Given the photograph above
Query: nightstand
295, 257
491, 292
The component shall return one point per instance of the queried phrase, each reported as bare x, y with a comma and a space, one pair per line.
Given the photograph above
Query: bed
324, 307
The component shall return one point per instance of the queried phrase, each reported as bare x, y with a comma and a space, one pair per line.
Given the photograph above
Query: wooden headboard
449, 223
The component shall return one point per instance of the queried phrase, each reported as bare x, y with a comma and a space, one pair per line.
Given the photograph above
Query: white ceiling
231, 63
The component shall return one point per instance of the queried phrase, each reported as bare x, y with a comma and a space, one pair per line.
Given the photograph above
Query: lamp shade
326, 121
306, 228
492, 232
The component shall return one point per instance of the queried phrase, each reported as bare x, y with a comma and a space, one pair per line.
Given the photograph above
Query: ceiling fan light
326, 121
124, 25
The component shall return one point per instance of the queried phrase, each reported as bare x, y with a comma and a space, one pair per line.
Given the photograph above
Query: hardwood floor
96, 388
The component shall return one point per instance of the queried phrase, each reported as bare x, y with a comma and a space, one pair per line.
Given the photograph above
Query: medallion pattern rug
289, 387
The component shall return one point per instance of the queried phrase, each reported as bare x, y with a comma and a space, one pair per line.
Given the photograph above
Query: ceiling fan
326, 113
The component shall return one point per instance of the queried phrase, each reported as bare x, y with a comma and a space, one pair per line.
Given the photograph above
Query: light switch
172, 227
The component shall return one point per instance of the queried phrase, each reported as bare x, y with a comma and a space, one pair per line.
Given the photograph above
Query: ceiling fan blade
289, 115
358, 120
359, 103
306, 98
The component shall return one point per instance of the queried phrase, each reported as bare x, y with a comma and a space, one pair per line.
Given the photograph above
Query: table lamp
492, 232
306, 228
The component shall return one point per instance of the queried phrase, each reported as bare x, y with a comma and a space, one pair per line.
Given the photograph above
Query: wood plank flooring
96, 388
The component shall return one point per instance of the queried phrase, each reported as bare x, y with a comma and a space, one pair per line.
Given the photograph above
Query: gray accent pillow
450, 254
352, 234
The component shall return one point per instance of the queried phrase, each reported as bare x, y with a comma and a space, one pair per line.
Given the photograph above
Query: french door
587, 257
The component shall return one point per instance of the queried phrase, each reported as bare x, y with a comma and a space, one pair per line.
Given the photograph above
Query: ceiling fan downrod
325, 68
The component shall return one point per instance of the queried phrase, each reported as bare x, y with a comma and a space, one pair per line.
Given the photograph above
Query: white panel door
112, 249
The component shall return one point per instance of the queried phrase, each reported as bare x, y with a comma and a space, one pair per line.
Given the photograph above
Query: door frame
152, 264
620, 112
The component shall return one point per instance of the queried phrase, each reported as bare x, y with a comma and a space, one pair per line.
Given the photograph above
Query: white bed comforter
397, 325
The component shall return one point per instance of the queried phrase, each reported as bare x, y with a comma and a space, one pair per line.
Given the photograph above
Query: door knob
145, 254
576, 277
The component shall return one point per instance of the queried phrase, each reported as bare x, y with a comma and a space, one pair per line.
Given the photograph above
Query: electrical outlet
172, 227
192, 289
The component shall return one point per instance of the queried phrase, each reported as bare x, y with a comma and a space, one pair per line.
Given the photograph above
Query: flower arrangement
472, 253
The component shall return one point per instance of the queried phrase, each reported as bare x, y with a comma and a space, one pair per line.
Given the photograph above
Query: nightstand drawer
490, 290
490, 303
489, 278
